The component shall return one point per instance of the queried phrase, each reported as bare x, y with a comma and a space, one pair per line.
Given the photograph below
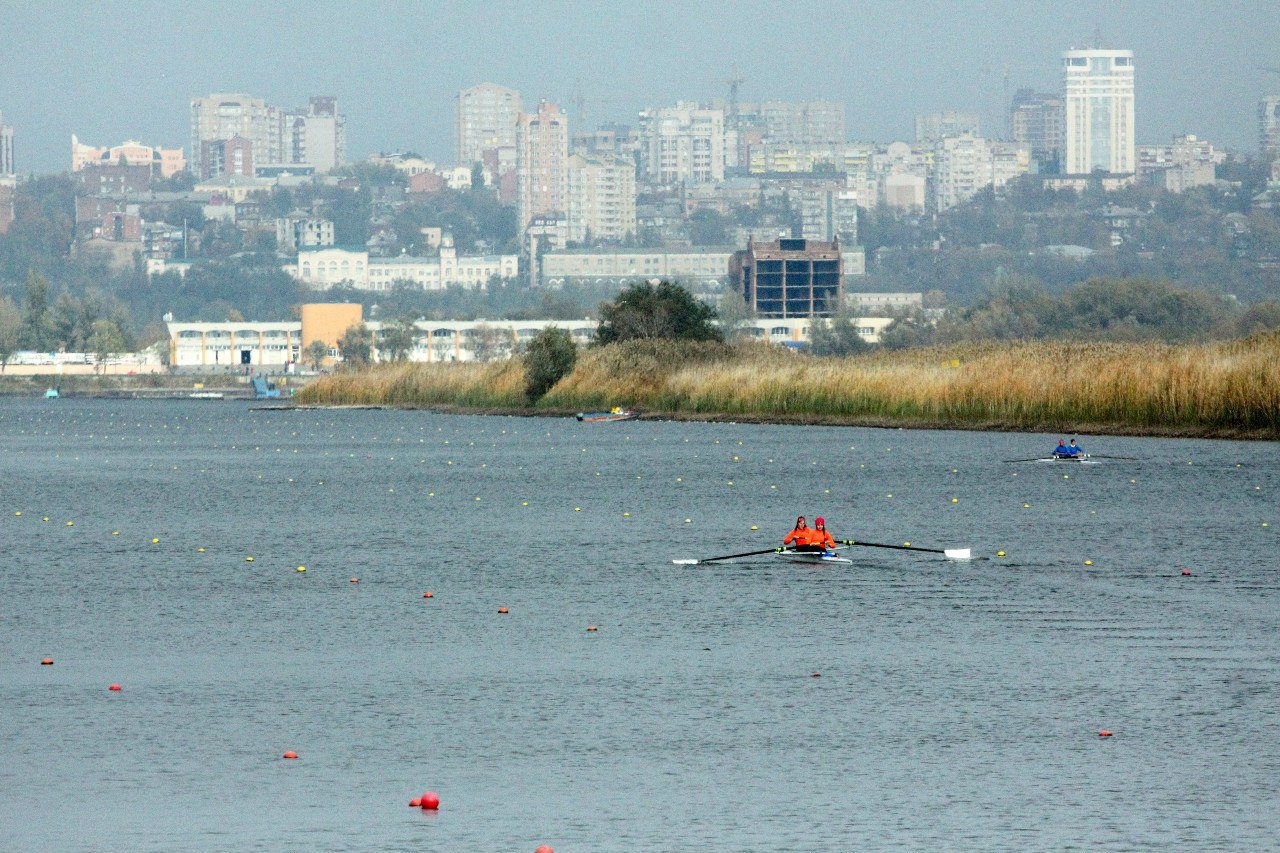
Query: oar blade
685, 562
957, 554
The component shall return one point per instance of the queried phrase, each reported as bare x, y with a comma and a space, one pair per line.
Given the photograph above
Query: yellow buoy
1088, 562
999, 553
155, 541
302, 568
955, 500
754, 527
248, 559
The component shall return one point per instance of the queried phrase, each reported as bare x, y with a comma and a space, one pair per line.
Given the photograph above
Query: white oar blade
957, 553
685, 562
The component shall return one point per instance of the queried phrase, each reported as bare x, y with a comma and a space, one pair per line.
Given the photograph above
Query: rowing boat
615, 415
1082, 458
813, 557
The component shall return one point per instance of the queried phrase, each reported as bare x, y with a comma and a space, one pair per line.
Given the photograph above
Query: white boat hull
814, 557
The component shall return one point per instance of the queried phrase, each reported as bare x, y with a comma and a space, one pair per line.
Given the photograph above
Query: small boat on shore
206, 395
615, 414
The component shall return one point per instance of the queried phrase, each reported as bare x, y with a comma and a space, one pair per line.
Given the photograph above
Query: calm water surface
958, 704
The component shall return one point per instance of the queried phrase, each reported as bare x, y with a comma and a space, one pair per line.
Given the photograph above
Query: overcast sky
109, 71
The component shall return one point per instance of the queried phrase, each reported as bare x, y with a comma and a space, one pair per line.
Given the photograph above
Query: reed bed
499, 385
1228, 388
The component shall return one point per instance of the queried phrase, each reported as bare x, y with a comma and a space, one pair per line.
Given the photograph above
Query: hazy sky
109, 71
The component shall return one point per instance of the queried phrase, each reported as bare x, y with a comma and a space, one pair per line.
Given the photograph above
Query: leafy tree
10, 329
734, 312
665, 310
356, 345
489, 343
317, 352
397, 339
36, 334
551, 356
105, 341
837, 335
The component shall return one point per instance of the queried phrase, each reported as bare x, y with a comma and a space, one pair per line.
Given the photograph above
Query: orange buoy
428, 594
47, 662
1186, 572
591, 627
415, 803
355, 580
431, 800
114, 687
290, 754
1104, 733
817, 675
545, 848
503, 610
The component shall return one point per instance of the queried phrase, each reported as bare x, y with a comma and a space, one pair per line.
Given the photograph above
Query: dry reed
1209, 389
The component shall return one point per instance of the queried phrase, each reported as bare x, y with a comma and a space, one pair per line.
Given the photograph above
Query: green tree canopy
551, 355
664, 310
356, 345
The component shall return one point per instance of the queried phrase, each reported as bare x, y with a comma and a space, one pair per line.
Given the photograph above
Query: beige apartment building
162, 161
542, 173
602, 198
487, 116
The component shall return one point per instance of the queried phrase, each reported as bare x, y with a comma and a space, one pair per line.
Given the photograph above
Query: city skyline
397, 68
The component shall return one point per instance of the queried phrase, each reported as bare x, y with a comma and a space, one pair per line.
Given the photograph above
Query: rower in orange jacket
800, 535
820, 536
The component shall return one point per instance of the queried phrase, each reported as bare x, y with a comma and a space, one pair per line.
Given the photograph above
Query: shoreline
1115, 430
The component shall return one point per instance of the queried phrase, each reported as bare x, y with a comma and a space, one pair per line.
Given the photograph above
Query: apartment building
6, 148
682, 145
487, 116
963, 165
542, 174
1187, 162
601, 197
1035, 121
1268, 126
314, 135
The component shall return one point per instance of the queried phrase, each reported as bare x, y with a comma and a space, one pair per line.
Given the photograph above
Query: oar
726, 557
951, 553
1100, 456
1033, 459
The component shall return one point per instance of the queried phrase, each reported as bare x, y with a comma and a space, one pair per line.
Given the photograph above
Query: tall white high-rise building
1098, 112
1269, 126
542, 154
6, 147
487, 116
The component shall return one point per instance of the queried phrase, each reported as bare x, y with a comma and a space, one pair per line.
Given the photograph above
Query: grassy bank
1224, 389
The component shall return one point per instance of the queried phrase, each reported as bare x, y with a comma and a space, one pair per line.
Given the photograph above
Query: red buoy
47, 662
428, 594
1104, 733
502, 610
431, 800
1186, 572
545, 848
114, 687
290, 754
592, 628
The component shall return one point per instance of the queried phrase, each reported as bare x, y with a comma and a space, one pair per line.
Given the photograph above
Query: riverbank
1220, 390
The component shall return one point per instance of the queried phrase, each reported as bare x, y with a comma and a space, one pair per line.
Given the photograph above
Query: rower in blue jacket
1074, 449
1061, 449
